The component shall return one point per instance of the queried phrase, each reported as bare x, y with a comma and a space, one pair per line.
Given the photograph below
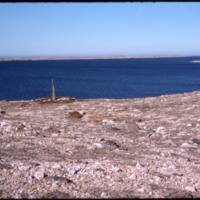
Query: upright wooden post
53, 93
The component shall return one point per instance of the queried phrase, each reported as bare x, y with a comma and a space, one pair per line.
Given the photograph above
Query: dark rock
53, 129
196, 141
21, 127
45, 175
176, 174
76, 172
35, 164
100, 170
3, 112
155, 187
115, 128
111, 144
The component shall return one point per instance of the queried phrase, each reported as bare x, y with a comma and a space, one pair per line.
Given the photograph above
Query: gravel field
102, 148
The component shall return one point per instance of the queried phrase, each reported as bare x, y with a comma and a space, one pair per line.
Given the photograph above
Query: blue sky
87, 29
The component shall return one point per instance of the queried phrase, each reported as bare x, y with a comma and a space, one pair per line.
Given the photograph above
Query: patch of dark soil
156, 187
53, 129
177, 194
24, 104
102, 193
1, 192
19, 154
24, 195
5, 166
59, 178
56, 195
81, 152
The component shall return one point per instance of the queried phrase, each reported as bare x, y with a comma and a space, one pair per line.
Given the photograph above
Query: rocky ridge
103, 148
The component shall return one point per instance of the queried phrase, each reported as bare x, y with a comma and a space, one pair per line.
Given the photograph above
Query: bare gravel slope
101, 148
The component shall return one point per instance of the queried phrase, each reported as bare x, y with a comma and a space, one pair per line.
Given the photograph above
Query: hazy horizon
35, 57
99, 29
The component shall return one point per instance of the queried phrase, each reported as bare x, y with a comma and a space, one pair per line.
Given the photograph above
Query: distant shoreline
67, 98
86, 58
195, 61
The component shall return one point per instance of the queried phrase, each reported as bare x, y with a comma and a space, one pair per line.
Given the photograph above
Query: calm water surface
124, 78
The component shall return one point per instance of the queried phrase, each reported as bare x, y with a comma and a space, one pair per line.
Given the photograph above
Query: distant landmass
35, 58
195, 61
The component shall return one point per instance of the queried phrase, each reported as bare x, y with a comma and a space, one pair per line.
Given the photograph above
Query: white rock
104, 195
186, 145
82, 112
90, 147
160, 129
39, 174
115, 169
74, 169
3, 123
138, 165
172, 167
142, 138
98, 145
54, 186
157, 180
56, 166
23, 168
142, 190
8, 145
190, 188
107, 122
91, 125
108, 177
132, 176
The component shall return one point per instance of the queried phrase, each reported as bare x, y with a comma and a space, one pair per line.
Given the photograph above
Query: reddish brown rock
75, 114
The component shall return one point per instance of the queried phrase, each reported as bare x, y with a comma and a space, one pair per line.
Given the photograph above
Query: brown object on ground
75, 114
3, 112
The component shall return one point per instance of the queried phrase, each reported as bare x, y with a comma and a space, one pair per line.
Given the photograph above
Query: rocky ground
104, 148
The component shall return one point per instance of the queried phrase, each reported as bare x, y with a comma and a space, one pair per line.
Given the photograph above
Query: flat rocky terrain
103, 148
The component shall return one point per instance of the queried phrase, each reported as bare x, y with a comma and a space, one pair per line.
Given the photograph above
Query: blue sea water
112, 78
